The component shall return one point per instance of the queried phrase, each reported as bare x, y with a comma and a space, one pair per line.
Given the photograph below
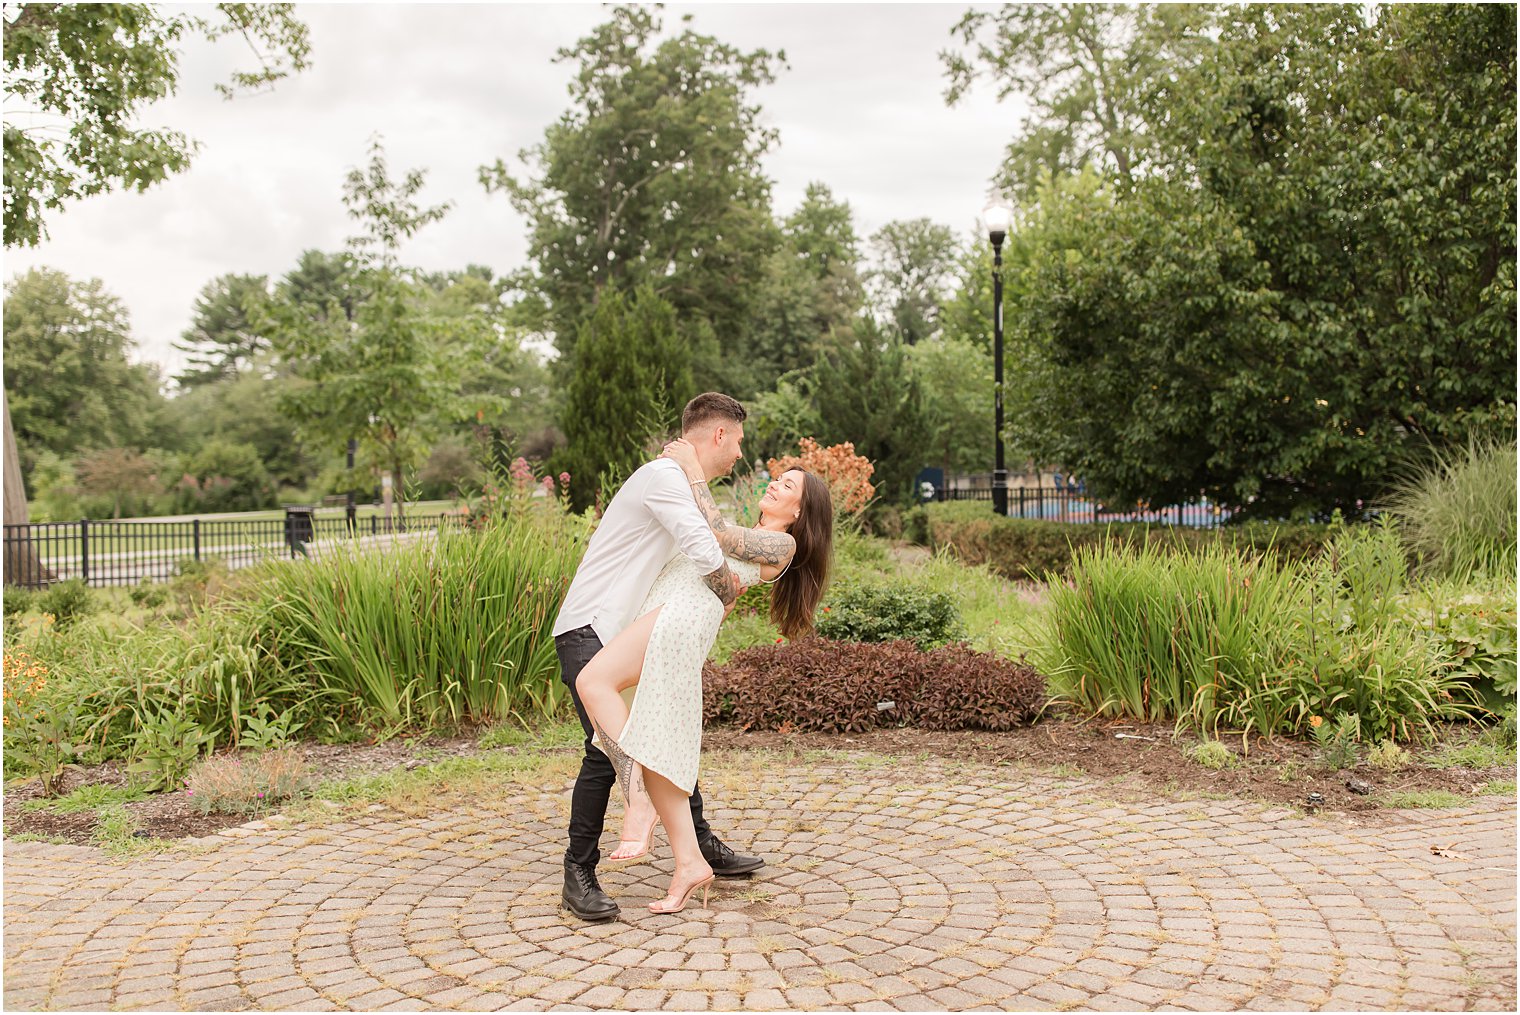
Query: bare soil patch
1124, 756
1147, 757
176, 816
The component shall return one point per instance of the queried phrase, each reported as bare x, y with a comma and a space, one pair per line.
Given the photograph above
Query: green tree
509, 380
821, 234
955, 377
224, 339
325, 286
229, 476
966, 314
243, 410
119, 477
779, 418
1088, 72
1317, 281
80, 75
866, 394
631, 379
913, 270
68, 379
652, 177
392, 370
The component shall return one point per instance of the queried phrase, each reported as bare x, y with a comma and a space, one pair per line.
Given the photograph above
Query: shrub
149, 594
879, 612
1354, 651
1474, 624
18, 600
1458, 511
196, 582
848, 474
66, 601
1020, 548
818, 685
231, 784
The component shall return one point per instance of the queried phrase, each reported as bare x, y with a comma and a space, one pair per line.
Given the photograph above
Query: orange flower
1316, 721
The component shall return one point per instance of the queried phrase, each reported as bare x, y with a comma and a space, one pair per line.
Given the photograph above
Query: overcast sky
452, 87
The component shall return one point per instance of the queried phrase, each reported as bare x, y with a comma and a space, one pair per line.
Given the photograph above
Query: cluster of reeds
436, 631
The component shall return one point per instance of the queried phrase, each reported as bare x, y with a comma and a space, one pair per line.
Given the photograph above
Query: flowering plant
39, 728
847, 474
515, 492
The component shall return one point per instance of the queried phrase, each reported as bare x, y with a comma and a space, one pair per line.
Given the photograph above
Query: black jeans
593, 787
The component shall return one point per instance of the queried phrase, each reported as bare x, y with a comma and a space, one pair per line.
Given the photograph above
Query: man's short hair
711, 407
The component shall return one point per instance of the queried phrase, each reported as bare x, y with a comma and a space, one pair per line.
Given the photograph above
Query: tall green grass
435, 631
1189, 635
1215, 639
1458, 511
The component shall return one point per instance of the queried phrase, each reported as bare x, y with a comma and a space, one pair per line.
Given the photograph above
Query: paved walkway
909, 885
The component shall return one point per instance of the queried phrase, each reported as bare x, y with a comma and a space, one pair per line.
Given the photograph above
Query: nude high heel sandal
704, 884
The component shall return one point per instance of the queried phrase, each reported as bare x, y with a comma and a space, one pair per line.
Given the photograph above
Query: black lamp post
350, 512
997, 217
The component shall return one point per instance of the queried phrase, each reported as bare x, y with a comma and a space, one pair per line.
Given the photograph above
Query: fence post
197, 531
84, 549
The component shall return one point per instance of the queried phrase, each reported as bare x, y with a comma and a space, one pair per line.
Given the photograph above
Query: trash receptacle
299, 527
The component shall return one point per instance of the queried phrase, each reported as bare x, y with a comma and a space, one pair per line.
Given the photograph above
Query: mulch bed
1145, 758
1112, 754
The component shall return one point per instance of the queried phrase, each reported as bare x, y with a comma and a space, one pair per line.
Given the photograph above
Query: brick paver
910, 886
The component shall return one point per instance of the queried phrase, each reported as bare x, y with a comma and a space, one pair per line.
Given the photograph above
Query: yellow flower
1316, 721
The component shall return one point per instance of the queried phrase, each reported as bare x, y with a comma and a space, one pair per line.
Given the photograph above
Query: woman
658, 745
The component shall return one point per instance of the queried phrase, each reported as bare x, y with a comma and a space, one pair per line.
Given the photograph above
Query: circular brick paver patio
903, 885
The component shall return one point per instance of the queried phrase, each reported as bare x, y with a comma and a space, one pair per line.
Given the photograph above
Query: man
652, 517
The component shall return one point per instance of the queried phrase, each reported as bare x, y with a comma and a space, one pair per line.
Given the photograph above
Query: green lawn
158, 535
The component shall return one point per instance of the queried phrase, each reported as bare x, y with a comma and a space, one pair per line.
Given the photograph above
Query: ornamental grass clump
1217, 640
234, 784
1458, 511
434, 631
1194, 636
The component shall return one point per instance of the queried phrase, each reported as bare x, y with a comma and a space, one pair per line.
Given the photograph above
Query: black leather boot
583, 895
726, 863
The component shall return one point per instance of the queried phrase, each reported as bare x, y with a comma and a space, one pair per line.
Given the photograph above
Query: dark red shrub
815, 685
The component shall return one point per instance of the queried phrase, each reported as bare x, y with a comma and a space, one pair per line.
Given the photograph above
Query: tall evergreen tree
224, 337
867, 394
630, 381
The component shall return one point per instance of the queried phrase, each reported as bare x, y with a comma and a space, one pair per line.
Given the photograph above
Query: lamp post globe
997, 218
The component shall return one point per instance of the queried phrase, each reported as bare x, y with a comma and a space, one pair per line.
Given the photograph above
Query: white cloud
452, 87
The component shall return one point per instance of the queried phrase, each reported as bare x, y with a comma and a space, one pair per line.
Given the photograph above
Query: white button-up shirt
652, 517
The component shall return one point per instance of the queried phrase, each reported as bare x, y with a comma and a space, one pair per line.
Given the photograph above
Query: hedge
1021, 548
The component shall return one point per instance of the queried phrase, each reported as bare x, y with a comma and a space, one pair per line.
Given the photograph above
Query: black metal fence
124, 553
1060, 504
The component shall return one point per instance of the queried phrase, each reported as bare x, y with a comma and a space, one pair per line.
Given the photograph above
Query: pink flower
564, 479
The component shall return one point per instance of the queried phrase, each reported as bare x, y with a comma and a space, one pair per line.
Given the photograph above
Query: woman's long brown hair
795, 597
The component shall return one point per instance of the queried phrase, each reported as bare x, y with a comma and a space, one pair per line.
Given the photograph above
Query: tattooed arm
760, 546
